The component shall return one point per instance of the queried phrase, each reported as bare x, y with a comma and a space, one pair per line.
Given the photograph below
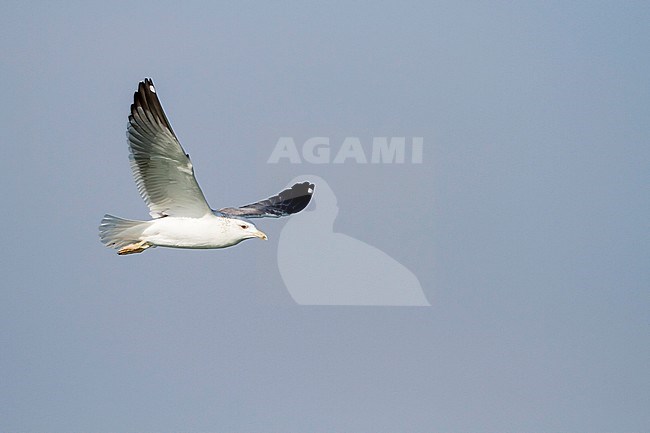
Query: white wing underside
161, 168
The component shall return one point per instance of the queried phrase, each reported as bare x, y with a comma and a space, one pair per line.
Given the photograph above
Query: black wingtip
146, 98
287, 202
297, 197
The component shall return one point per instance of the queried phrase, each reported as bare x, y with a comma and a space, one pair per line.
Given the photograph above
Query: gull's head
245, 230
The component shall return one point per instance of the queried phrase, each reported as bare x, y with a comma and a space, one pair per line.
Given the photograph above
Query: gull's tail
116, 232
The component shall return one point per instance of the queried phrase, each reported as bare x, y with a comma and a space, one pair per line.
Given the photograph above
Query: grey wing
287, 202
161, 168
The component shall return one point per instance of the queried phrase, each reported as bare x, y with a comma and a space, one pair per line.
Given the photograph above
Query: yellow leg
137, 247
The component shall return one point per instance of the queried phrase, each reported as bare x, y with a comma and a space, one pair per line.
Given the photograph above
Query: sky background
526, 223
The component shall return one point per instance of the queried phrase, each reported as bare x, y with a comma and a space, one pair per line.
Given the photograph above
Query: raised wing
161, 168
287, 202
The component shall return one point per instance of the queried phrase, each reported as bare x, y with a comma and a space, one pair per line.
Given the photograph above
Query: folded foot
137, 247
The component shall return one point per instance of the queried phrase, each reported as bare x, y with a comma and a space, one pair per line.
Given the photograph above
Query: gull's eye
244, 226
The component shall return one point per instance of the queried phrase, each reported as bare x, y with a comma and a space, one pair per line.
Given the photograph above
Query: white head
241, 230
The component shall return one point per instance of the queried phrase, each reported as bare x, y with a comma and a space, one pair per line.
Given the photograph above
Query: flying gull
165, 178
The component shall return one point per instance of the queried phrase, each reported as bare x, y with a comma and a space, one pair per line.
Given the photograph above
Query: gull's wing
161, 168
287, 202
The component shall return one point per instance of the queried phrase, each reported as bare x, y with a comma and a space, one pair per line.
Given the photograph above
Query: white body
207, 232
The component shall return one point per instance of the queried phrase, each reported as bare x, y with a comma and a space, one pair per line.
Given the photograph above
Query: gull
165, 179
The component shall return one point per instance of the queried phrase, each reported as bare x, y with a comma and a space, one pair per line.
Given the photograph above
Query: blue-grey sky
526, 222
